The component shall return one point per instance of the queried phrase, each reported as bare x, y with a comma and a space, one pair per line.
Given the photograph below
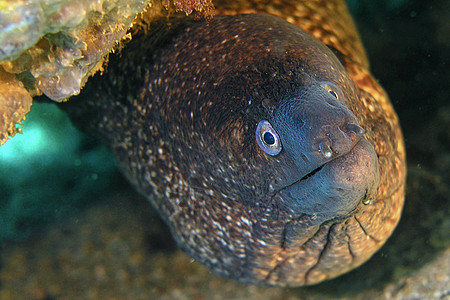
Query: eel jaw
337, 187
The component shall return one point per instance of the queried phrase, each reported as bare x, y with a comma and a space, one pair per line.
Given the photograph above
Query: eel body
271, 153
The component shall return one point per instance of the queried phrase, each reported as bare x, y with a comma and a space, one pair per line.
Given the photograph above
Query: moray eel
271, 153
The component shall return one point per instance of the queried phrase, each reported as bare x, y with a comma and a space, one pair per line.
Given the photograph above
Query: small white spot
223, 242
225, 205
262, 243
217, 225
246, 221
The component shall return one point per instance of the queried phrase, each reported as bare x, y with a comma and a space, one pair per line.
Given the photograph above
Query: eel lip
337, 187
310, 174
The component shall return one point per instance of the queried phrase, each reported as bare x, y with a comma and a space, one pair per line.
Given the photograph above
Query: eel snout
330, 168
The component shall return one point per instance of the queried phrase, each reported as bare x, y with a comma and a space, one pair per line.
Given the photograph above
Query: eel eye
267, 138
334, 90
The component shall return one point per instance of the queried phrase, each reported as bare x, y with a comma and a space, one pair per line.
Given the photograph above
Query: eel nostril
325, 149
353, 128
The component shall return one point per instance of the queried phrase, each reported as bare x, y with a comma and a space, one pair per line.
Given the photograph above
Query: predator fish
262, 140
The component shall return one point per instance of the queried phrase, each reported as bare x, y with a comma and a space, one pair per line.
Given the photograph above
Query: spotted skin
180, 113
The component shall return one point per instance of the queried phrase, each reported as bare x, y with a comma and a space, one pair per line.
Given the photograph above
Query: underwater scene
143, 186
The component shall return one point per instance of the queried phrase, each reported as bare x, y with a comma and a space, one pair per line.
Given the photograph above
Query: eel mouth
336, 187
312, 173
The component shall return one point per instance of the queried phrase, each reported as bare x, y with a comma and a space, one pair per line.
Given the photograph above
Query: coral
15, 103
204, 7
51, 47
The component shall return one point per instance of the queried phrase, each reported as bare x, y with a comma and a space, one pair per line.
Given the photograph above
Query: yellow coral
15, 103
51, 47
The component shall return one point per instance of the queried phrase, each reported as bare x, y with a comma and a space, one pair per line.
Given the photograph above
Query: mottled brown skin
179, 109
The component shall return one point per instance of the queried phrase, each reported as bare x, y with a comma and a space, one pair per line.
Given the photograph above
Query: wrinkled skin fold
181, 113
